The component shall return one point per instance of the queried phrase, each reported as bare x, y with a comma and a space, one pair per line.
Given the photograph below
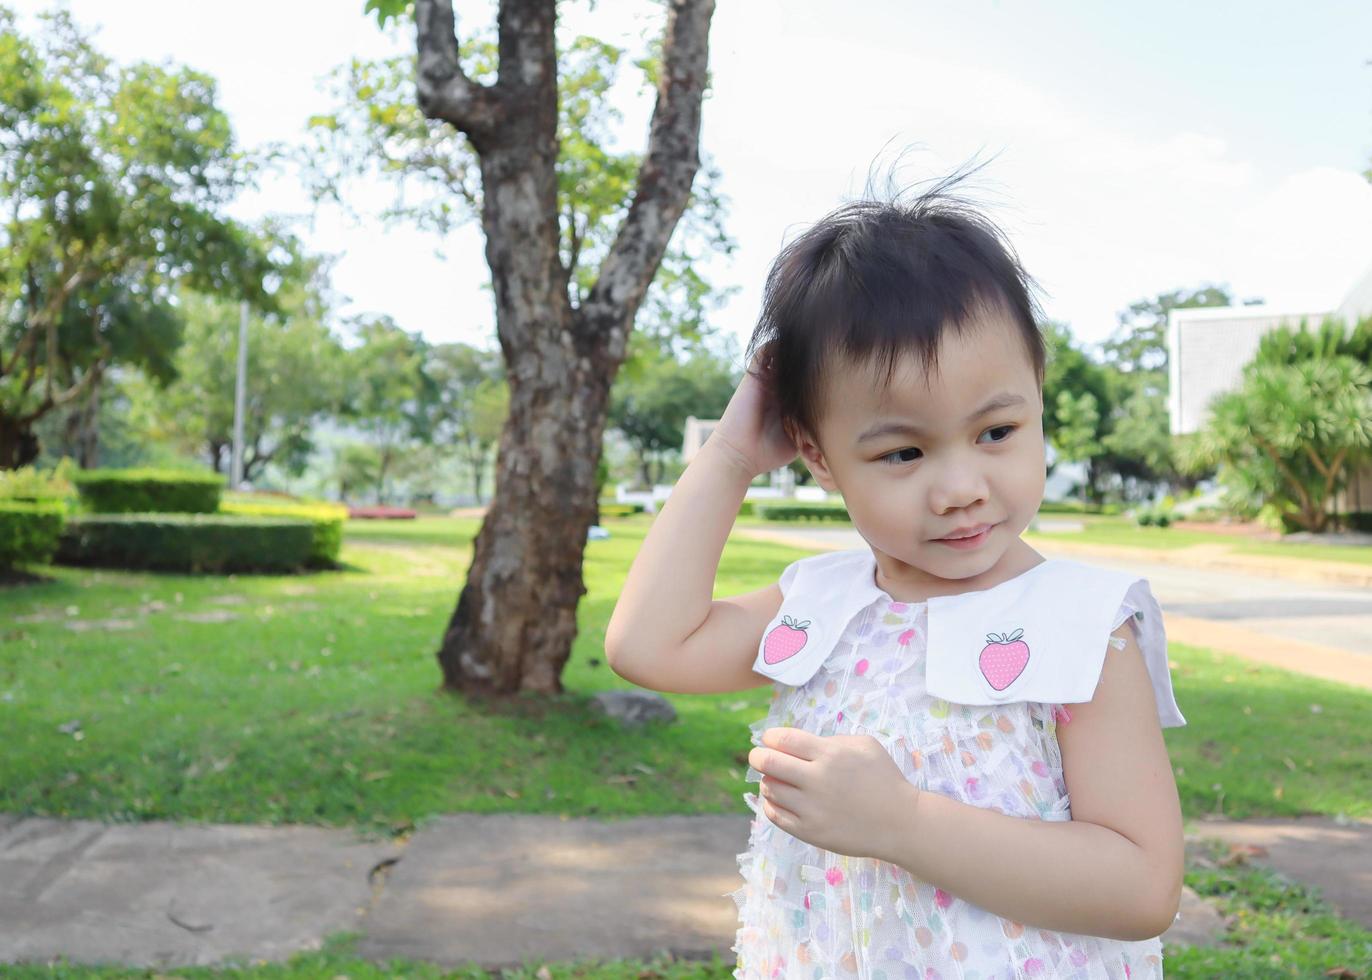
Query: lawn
314, 699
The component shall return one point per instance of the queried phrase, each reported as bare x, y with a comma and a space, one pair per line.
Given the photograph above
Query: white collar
1040, 636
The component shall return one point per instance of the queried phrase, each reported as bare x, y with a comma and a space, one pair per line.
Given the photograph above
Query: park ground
314, 700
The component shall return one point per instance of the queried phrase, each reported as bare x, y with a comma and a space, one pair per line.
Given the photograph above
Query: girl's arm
666, 632
666, 594
1113, 870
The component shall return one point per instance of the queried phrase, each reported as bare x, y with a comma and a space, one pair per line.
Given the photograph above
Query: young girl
941, 695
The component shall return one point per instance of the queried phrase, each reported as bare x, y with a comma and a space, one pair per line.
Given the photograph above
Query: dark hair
882, 278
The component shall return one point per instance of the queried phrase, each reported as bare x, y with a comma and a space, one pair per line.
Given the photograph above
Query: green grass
318, 702
1276, 928
1123, 531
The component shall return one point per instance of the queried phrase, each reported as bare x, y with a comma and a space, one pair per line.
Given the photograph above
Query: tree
1137, 444
565, 303
470, 403
650, 403
1078, 419
1140, 342
114, 180
294, 380
388, 392
1287, 435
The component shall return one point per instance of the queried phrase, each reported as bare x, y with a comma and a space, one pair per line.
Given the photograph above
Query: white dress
809, 913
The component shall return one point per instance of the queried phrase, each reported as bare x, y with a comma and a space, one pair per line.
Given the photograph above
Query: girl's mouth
968, 538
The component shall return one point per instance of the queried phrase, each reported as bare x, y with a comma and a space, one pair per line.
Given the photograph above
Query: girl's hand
841, 793
751, 430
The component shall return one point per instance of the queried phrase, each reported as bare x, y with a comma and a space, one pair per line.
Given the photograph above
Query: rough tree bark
515, 620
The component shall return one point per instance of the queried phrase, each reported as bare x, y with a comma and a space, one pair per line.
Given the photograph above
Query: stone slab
502, 889
164, 894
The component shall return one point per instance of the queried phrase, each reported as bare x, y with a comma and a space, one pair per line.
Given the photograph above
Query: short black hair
878, 278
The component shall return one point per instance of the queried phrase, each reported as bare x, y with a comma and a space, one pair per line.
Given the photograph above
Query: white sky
1138, 148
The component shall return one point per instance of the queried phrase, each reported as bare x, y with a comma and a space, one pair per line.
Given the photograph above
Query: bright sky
1138, 148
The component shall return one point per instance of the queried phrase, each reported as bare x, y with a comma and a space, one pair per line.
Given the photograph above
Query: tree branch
664, 181
444, 90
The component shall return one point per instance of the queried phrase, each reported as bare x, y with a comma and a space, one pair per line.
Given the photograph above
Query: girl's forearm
1067, 876
680, 555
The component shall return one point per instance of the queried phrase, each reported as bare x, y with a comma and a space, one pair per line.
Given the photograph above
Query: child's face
959, 468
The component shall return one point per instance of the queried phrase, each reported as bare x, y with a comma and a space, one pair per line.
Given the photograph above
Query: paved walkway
1299, 623
493, 889
501, 889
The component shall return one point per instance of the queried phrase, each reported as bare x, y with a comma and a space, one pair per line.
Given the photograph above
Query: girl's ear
813, 457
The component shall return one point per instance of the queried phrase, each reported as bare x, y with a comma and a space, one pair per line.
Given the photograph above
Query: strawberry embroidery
1003, 659
785, 641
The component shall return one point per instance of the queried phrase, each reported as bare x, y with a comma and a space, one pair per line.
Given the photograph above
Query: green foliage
148, 490
214, 543
1287, 437
389, 394
610, 508
1291, 345
29, 532
326, 520
115, 181
1140, 343
295, 378
376, 128
28, 483
810, 511
1154, 516
655, 393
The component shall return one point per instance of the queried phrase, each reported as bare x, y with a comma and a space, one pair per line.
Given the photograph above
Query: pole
239, 396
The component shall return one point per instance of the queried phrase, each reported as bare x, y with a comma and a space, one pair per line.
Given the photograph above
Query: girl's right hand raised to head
750, 430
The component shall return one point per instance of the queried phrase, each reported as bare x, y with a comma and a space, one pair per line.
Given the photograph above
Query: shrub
325, 517
139, 491
800, 511
1154, 516
613, 509
1077, 507
29, 532
31, 485
747, 509
188, 542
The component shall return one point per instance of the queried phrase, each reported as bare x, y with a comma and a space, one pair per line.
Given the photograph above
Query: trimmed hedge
325, 518
789, 511
29, 532
141, 491
612, 509
188, 542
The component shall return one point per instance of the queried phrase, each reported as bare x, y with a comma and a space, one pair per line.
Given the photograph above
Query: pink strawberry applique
1003, 659
785, 641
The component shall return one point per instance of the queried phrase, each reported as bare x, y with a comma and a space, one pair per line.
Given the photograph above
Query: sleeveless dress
810, 913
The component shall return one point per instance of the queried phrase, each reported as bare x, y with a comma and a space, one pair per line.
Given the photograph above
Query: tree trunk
18, 444
515, 620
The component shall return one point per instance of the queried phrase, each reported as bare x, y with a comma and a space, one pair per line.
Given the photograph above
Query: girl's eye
1005, 431
899, 456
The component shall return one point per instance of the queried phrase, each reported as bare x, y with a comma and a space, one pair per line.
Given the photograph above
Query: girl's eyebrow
1004, 400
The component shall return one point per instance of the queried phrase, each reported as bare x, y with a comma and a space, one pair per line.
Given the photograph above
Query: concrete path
163, 894
1312, 627
490, 889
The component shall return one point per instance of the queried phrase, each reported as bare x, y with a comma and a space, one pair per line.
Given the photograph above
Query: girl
919, 755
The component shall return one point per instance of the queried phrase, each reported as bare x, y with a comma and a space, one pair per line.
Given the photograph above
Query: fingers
783, 767
775, 808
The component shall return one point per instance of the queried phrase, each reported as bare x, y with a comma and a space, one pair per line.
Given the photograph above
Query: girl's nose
957, 487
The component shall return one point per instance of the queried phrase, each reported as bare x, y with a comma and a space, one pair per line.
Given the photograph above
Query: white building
1208, 347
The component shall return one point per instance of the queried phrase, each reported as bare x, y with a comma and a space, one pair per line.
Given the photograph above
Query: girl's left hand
841, 793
